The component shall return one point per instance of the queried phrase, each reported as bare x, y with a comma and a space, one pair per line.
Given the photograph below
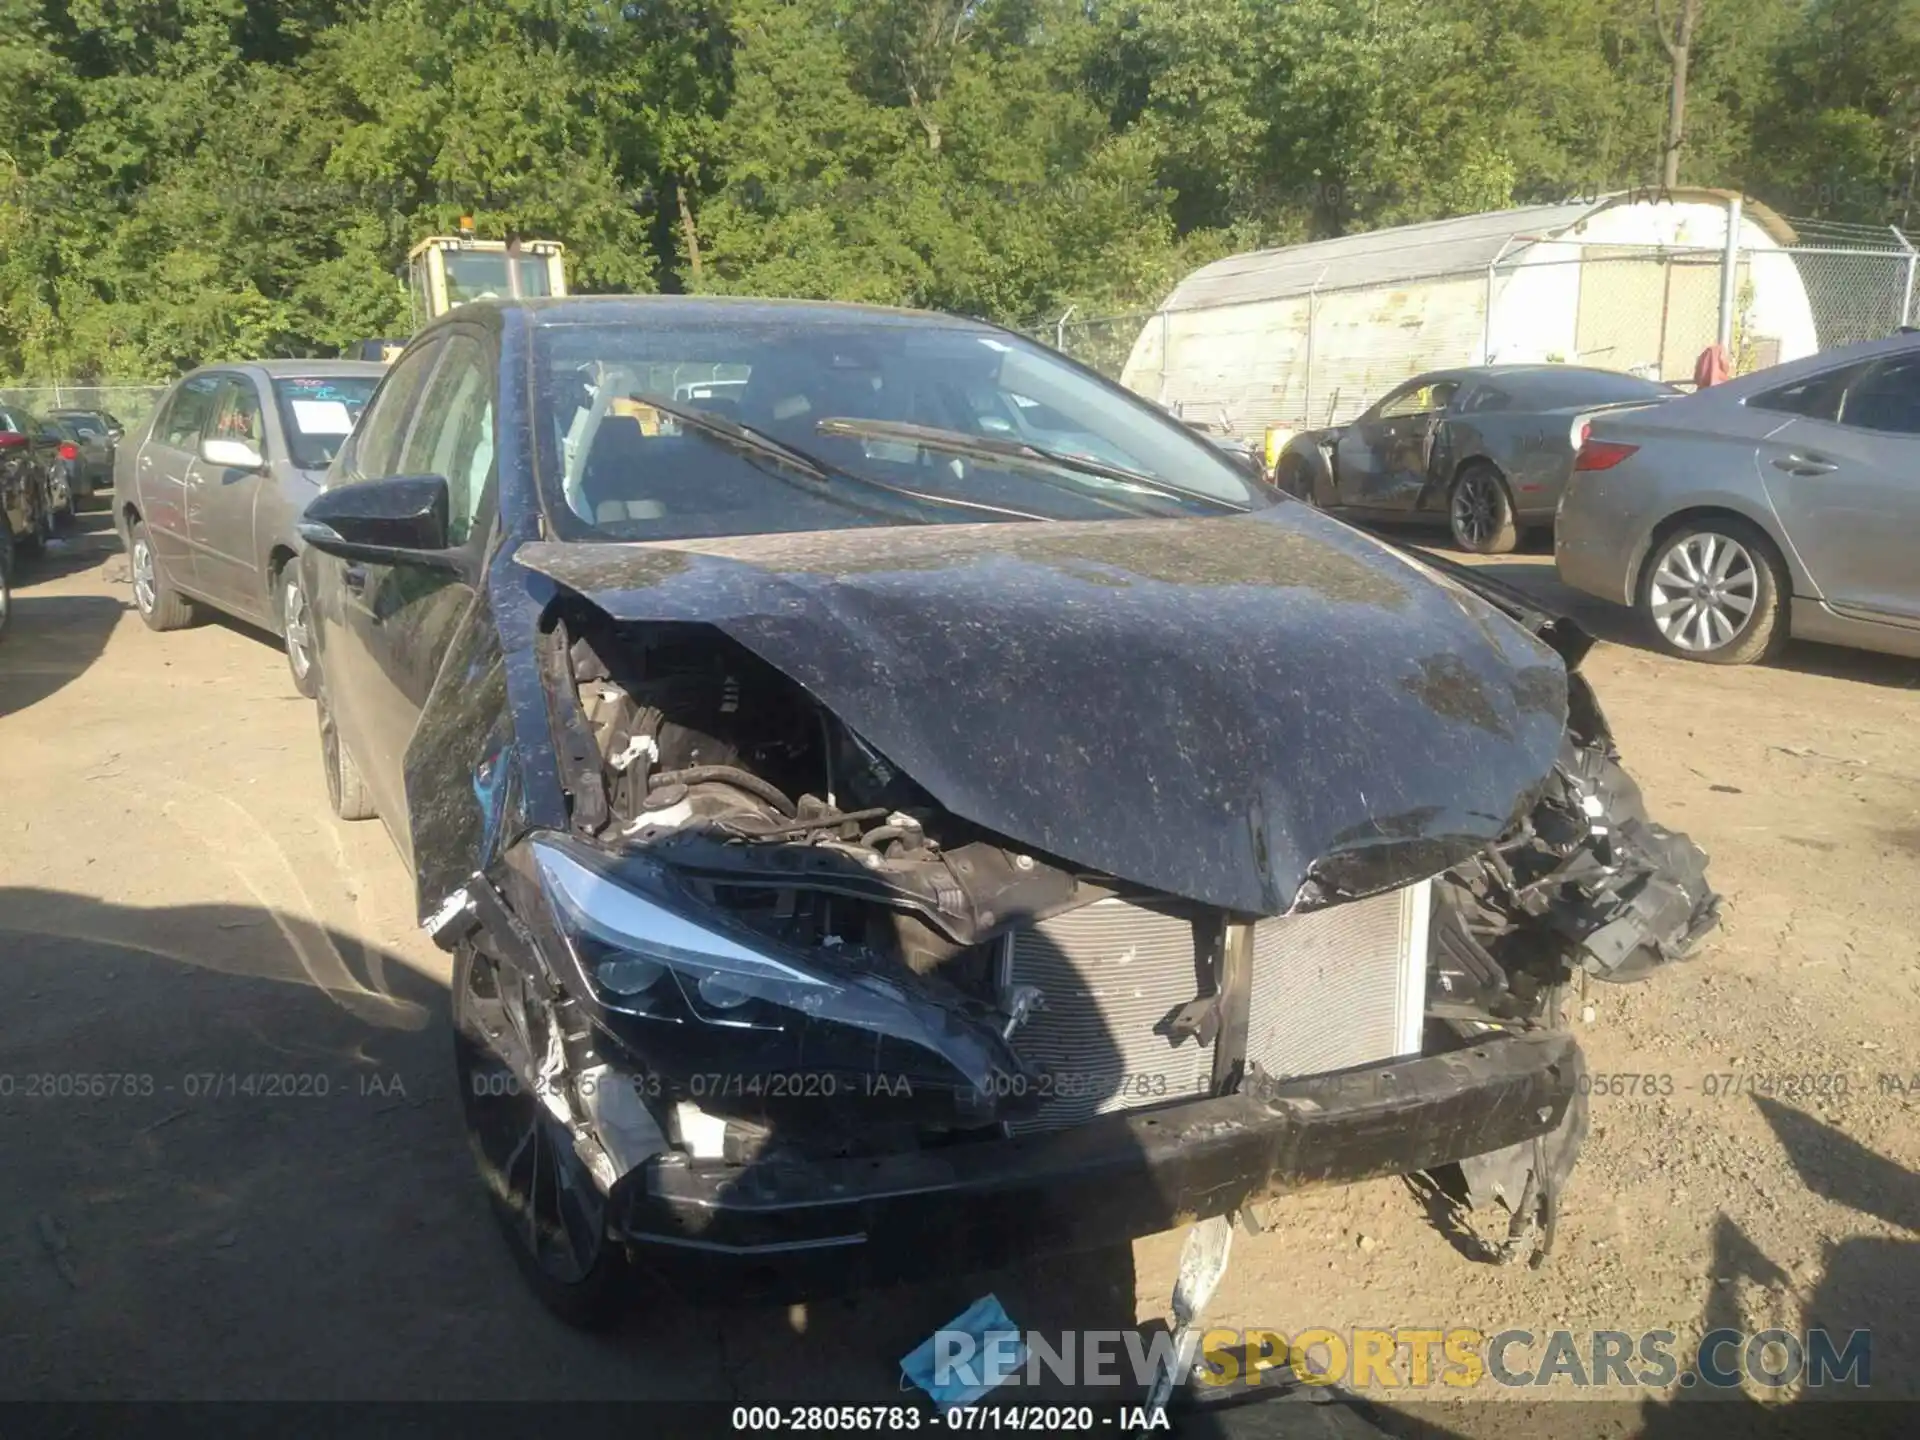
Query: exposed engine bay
717, 764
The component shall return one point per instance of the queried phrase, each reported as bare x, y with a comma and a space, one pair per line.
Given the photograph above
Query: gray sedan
1786, 502
206, 494
1485, 449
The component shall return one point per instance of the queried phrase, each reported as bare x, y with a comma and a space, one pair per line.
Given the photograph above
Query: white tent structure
1312, 334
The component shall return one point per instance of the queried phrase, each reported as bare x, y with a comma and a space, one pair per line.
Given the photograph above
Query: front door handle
1805, 465
354, 577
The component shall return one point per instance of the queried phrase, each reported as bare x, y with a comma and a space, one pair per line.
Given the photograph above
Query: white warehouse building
1312, 334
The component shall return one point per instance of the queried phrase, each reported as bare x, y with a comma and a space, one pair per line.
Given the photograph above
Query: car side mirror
402, 520
231, 454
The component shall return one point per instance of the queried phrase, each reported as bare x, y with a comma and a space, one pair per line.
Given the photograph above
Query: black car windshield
318, 412
771, 422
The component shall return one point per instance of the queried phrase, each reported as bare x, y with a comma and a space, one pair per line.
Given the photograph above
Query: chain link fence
129, 404
1322, 357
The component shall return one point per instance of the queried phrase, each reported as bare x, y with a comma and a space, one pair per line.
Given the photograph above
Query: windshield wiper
1021, 452
741, 437
758, 442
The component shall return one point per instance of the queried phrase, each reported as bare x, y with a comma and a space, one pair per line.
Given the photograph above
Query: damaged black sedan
880, 781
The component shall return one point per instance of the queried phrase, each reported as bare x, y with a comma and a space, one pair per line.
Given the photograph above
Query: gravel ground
179, 912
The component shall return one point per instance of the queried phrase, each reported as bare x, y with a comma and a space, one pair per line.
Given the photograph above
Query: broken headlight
718, 1008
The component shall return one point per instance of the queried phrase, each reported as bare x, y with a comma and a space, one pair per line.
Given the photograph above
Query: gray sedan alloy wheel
1704, 592
297, 628
144, 593
155, 599
1713, 593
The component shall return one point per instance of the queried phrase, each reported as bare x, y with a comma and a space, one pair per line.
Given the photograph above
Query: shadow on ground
50, 641
236, 1169
1866, 1285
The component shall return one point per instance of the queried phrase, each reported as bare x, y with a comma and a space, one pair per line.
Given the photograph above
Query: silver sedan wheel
1704, 592
144, 593
293, 612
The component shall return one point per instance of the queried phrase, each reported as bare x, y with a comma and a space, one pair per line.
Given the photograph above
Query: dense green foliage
183, 180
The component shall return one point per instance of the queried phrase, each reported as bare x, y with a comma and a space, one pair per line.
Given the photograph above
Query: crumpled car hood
1250, 711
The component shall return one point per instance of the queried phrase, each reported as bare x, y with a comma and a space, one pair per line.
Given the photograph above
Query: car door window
454, 437
188, 413
1419, 400
1414, 400
1487, 397
373, 450
1886, 399
1817, 397
236, 415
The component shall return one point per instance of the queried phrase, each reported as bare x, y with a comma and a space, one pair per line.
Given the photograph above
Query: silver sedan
1786, 502
206, 494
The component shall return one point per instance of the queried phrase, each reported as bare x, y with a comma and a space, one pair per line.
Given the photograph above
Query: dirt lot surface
179, 913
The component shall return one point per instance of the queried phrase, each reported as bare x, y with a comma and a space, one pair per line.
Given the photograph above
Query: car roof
1755, 381
695, 309
288, 369
1516, 370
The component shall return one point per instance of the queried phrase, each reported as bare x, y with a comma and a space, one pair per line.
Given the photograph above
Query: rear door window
1886, 398
1817, 397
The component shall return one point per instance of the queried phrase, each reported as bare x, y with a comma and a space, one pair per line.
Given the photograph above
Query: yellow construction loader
448, 270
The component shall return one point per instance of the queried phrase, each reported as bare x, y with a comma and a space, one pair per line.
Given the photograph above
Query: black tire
290, 604
159, 604
1680, 599
1480, 511
346, 790
549, 1209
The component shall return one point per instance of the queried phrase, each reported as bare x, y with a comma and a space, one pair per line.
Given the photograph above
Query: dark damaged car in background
878, 780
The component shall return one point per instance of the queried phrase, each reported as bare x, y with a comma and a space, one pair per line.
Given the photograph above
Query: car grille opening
1340, 987
1331, 989
1109, 973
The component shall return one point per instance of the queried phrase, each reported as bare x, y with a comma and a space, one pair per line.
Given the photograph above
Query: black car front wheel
346, 791
549, 1208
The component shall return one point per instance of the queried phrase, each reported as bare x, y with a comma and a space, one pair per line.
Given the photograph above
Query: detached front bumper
850, 1223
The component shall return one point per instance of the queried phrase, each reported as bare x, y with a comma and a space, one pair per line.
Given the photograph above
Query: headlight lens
650, 958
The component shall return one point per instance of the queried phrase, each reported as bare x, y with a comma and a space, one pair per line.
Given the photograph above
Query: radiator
1109, 972
1332, 989
1340, 987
